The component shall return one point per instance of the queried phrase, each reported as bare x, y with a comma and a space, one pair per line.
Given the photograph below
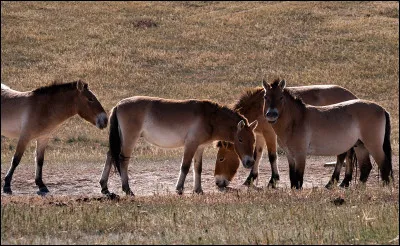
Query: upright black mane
296, 99
56, 86
248, 98
230, 112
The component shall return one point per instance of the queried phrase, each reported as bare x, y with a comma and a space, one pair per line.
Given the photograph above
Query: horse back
320, 95
163, 122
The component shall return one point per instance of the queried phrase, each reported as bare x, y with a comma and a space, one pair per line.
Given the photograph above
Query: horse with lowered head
171, 123
38, 113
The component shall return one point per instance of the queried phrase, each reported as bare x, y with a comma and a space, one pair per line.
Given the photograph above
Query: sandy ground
159, 177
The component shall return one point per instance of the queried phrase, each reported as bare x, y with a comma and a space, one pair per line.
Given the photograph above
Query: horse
303, 129
169, 123
36, 114
250, 105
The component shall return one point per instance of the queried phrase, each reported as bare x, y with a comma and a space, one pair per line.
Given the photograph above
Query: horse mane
226, 110
296, 99
248, 98
57, 86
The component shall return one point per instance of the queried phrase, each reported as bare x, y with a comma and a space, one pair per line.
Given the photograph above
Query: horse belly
333, 145
10, 126
164, 137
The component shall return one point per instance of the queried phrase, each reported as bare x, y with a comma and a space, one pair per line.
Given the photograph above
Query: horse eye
240, 140
221, 159
281, 98
90, 99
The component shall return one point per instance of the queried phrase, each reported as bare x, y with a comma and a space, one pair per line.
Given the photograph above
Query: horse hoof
344, 185
41, 193
272, 185
179, 192
7, 190
112, 196
329, 186
200, 192
43, 190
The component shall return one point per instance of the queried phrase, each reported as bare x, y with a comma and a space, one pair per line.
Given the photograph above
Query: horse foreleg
292, 171
185, 166
198, 167
272, 157
300, 163
21, 146
258, 151
336, 173
41, 145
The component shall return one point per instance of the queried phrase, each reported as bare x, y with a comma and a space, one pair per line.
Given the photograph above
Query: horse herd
304, 120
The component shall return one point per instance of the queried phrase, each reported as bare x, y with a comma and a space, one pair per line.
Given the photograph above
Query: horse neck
224, 125
61, 104
292, 113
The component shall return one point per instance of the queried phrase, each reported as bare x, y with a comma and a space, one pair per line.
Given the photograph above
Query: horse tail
387, 149
115, 140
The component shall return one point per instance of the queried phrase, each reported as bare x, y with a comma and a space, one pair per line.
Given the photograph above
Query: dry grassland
203, 50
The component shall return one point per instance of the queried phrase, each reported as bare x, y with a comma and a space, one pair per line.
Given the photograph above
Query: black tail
115, 140
386, 169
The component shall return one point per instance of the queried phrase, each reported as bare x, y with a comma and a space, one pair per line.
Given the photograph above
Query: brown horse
304, 130
251, 105
37, 114
170, 124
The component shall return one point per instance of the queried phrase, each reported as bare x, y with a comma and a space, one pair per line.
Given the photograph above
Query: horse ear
80, 85
219, 144
253, 125
282, 84
240, 125
265, 85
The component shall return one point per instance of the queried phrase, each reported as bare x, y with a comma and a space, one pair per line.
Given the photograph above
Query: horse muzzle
272, 115
248, 162
101, 121
221, 182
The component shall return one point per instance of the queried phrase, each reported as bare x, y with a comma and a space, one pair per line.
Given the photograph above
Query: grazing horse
174, 123
304, 129
37, 114
251, 105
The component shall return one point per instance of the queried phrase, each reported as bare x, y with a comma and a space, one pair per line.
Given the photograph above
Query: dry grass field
202, 50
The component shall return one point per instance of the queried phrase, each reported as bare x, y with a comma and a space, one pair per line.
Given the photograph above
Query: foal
170, 124
304, 130
37, 114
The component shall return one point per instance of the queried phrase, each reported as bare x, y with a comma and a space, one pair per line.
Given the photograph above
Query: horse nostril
272, 114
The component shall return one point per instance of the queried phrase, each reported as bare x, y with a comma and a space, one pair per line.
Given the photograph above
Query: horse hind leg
351, 162
21, 146
128, 144
336, 173
104, 177
41, 145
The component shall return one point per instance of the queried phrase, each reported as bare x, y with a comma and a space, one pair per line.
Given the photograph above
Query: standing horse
170, 124
304, 130
36, 114
251, 105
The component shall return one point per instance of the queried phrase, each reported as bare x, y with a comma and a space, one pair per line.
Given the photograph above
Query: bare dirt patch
81, 181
